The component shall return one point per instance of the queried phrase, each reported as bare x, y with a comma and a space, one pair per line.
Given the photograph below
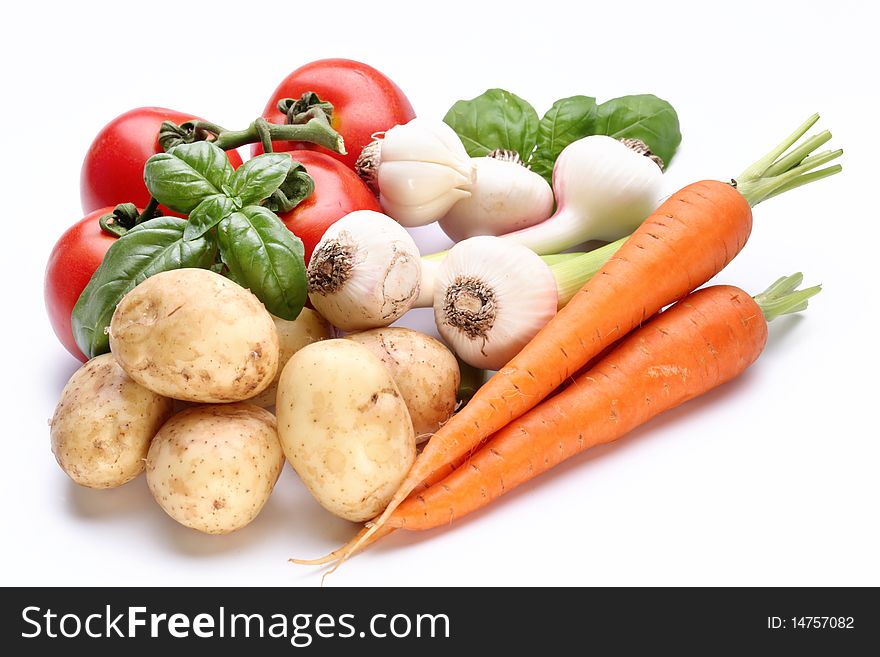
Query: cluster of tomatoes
365, 102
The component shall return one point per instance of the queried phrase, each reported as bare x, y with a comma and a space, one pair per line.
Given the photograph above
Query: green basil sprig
229, 231
500, 119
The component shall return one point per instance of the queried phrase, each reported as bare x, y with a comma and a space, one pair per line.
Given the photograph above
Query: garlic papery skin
604, 190
491, 297
365, 272
423, 170
505, 197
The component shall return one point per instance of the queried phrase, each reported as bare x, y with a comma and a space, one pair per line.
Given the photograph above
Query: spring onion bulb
604, 190
505, 197
486, 309
571, 271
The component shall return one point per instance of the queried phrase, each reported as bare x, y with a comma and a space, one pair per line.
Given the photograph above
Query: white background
771, 480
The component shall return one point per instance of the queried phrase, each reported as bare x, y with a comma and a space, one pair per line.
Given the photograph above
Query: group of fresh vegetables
193, 270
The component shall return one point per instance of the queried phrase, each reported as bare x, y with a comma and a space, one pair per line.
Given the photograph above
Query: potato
194, 335
309, 327
344, 427
104, 423
425, 371
212, 468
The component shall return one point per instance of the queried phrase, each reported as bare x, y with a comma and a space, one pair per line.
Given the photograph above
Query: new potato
103, 424
344, 427
194, 335
425, 371
293, 335
212, 468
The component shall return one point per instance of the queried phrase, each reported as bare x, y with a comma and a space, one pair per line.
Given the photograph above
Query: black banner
432, 621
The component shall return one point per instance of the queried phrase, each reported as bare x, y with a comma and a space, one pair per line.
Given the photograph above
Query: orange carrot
705, 340
686, 241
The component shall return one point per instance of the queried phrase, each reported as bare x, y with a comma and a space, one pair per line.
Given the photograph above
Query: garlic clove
422, 169
417, 182
421, 214
421, 140
449, 137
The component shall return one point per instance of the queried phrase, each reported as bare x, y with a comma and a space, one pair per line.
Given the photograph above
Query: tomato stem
125, 216
262, 126
314, 130
304, 108
206, 126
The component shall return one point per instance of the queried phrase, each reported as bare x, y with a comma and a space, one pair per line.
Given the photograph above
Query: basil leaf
265, 257
208, 214
495, 119
645, 117
185, 175
567, 121
208, 159
296, 188
259, 177
150, 248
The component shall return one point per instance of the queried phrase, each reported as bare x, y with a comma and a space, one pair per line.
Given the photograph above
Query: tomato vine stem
316, 130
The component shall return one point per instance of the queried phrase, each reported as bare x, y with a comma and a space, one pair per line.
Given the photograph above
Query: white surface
770, 480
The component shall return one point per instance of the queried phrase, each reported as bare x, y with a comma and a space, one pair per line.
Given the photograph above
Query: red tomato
364, 102
338, 191
72, 262
113, 170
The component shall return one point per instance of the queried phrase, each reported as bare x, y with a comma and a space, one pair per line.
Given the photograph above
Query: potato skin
425, 371
194, 335
103, 424
212, 468
344, 427
293, 335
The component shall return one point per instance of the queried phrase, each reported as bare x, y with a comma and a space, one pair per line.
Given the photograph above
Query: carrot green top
782, 169
783, 297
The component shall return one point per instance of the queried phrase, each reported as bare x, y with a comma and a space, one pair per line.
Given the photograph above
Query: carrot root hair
360, 541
